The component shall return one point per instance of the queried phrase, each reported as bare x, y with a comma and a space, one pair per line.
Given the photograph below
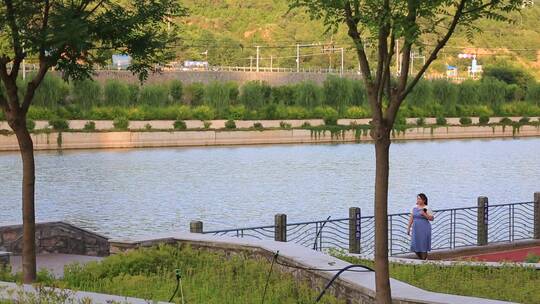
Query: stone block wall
55, 237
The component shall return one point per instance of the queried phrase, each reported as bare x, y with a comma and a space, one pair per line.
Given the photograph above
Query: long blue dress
421, 232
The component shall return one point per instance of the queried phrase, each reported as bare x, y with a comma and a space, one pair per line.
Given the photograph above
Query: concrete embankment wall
141, 139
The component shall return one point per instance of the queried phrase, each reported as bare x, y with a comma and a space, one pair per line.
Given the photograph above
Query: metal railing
452, 228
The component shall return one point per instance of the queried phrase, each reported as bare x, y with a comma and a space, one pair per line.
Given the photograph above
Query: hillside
230, 30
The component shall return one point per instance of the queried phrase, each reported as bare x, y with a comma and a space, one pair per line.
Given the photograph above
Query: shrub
338, 92
59, 124
175, 90
483, 120
203, 113
30, 124
154, 95
441, 121
359, 93
533, 93
465, 121
183, 112
133, 93
217, 96
230, 124
121, 123
179, 125
90, 126
296, 112
86, 93
524, 120
37, 112
420, 121
116, 93
468, 92
283, 95
258, 125
255, 94
445, 93
52, 92
492, 91
356, 112
285, 125
330, 116
236, 112
505, 121
422, 94
207, 124
507, 73
532, 258
194, 94
308, 94
306, 125
148, 127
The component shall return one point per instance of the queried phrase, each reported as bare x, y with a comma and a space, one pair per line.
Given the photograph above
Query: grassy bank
516, 284
206, 278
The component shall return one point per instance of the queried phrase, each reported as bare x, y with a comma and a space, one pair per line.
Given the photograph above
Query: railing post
354, 229
281, 227
196, 227
482, 221
537, 215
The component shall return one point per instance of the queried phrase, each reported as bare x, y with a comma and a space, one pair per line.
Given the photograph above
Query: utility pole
342, 61
297, 58
258, 53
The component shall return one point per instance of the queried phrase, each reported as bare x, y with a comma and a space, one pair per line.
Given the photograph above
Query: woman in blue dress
421, 227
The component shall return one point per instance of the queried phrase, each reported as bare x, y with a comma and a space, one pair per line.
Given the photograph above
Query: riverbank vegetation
509, 283
206, 278
504, 91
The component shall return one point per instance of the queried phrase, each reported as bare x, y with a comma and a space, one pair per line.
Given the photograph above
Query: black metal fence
452, 228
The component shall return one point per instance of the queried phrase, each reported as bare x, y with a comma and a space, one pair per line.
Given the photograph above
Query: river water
132, 192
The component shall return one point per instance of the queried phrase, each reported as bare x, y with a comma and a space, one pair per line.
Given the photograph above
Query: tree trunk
28, 183
382, 274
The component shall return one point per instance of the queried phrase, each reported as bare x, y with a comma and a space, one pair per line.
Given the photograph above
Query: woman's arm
428, 215
410, 224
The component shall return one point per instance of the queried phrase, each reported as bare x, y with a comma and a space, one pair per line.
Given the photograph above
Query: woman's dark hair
423, 197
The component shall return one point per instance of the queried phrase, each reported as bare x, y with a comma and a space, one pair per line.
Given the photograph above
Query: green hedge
88, 99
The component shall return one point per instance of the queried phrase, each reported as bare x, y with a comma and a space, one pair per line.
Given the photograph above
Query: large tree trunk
382, 274
28, 183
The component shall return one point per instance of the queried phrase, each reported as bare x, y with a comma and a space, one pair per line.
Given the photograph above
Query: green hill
230, 30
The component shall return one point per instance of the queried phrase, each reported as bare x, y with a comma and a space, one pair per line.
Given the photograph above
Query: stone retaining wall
55, 237
141, 139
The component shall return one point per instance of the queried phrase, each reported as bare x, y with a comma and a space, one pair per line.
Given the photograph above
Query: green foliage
30, 124
148, 127
359, 94
285, 125
117, 93
154, 95
524, 120
207, 124
149, 273
194, 94
255, 94
218, 96
421, 95
90, 126
483, 120
492, 91
356, 112
121, 123
507, 283
308, 95
237, 112
175, 90
465, 121
441, 121
468, 92
52, 92
509, 74
59, 124
338, 93
179, 125
505, 121
533, 93
230, 124
532, 258
203, 113
258, 126
420, 121
86, 93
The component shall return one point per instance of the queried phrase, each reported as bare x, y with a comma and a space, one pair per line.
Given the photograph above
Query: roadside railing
452, 228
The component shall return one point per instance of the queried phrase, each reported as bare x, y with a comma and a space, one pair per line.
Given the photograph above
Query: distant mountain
231, 29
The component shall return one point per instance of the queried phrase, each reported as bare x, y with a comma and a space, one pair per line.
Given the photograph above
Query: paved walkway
53, 262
